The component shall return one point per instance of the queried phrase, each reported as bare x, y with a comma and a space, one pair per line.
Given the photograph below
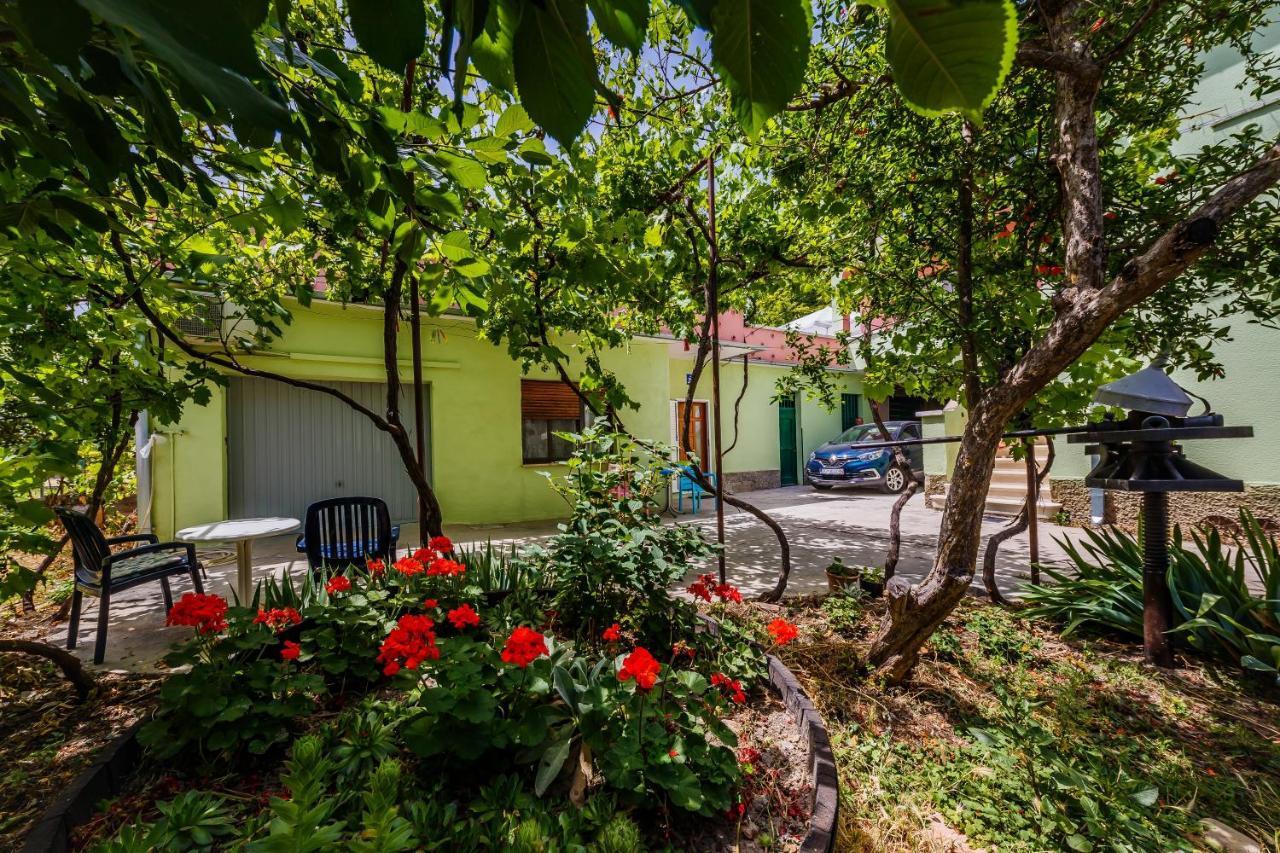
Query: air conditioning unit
205, 322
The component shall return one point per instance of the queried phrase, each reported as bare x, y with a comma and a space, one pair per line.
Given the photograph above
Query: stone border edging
74, 806
822, 763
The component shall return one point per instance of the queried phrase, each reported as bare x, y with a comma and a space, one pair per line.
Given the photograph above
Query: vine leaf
392, 32
555, 69
762, 49
623, 22
950, 56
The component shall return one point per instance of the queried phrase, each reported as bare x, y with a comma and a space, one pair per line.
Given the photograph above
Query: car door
915, 453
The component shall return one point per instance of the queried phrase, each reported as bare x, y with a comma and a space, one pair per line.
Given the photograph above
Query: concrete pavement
850, 523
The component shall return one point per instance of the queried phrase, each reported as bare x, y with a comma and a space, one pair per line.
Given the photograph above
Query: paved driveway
851, 524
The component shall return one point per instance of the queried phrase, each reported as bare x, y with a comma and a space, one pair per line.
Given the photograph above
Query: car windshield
860, 434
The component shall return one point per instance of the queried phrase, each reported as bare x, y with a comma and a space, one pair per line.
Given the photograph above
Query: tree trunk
895, 515
65, 661
1019, 524
916, 611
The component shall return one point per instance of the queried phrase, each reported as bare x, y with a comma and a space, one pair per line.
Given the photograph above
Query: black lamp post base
1157, 603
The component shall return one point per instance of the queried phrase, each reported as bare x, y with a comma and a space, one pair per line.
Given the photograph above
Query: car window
859, 434
909, 431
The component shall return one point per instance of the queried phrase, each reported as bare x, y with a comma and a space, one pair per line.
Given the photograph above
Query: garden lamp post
1143, 453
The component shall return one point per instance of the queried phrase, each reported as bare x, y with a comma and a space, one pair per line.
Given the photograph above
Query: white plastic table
241, 531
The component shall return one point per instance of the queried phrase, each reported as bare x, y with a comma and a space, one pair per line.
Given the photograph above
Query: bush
1214, 608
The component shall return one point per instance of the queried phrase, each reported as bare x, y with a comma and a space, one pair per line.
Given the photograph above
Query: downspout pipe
142, 445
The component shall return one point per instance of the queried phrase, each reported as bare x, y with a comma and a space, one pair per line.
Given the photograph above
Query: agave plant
1214, 606
498, 569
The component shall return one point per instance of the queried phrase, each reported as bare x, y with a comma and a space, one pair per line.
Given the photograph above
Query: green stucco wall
475, 416
757, 447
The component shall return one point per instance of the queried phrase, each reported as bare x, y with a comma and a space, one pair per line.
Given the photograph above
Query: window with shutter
547, 408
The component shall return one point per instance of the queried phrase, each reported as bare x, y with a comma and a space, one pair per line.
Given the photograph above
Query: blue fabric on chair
343, 532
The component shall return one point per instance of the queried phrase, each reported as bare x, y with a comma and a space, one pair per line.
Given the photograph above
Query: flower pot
839, 583
875, 589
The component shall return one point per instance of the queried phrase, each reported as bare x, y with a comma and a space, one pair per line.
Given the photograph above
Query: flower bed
403, 704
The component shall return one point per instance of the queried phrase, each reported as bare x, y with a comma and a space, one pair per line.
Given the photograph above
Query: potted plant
840, 576
871, 580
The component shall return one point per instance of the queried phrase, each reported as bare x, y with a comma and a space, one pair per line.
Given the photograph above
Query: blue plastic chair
342, 532
687, 485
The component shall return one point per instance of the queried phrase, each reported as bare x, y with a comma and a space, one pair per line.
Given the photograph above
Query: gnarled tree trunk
1020, 523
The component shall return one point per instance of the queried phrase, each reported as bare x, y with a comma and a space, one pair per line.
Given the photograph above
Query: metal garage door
287, 447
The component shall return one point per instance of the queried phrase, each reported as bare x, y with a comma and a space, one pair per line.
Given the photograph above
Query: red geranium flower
278, 618
672, 753
731, 687
613, 633
441, 543
464, 616
430, 603
409, 566
701, 588
376, 567
524, 646
206, 613
338, 583
290, 651
782, 631
705, 586
641, 666
424, 556
445, 566
411, 642
728, 592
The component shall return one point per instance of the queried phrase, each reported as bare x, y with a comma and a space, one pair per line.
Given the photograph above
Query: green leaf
493, 48
59, 28
392, 32
1147, 796
555, 68
1256, 664
762, 48
950, 56
699, 11
623, 22
553, 758
513, 120
215, 81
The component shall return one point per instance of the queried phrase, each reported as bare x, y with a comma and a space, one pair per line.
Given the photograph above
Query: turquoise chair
687, 485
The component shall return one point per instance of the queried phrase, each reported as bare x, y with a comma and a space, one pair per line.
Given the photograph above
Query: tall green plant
1215, 608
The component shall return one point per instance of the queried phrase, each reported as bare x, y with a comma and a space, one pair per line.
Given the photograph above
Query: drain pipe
142, 445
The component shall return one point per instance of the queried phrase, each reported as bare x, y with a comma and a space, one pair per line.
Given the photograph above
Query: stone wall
1185, 508
749, 481
934, 484
1074, 497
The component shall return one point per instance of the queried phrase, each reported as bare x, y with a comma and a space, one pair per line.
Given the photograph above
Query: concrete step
1000, 502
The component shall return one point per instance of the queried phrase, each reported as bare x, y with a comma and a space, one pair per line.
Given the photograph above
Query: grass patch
1017, 739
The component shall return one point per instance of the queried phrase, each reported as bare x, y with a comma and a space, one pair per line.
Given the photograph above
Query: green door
848, 410
787, 442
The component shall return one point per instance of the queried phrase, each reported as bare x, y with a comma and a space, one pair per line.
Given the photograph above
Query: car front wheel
895, 480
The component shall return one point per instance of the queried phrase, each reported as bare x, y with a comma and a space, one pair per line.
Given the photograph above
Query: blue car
841, 463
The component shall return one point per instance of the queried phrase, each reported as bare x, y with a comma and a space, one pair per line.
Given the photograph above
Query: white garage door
287, 447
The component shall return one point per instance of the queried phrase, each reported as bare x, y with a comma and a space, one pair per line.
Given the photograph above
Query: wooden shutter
544, 400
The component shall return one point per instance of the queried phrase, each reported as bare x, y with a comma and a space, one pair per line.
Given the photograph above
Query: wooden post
1033, 513
714, 280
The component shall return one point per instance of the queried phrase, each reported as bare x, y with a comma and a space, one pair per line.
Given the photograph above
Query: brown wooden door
697, 432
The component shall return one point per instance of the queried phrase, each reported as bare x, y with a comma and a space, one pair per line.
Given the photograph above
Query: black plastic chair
343, 532
100, 572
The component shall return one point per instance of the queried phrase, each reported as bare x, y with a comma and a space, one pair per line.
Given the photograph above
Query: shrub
614, 556
1214, 608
